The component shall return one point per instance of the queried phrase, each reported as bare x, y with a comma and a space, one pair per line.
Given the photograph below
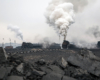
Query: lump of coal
20, 67
36, 72
39, 73
46, 69
3, 55
41, 62
56, 69
15, 78
92, 66
56, 76
67, 78
9, 69
73, 72
52, 76
89, 54
3, 73
16, 58
61, 62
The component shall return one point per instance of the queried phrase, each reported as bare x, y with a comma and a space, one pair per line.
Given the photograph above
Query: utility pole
15, 43
3, 43
10, 41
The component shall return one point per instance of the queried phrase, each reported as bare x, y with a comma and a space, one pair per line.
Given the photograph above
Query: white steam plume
60, 15
46, 42
16, 30
79, 5
84, 33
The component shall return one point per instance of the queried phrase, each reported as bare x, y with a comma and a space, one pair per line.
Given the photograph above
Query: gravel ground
48, 54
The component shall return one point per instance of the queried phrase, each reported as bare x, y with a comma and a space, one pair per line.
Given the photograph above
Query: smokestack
60, 15
10, 41
3, 43
17, 31
15, 43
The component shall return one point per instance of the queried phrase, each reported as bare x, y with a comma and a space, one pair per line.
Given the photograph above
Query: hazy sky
26, 14
29, 16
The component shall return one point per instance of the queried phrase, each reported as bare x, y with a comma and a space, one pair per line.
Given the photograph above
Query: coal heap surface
2, 55
35, 64
30, 45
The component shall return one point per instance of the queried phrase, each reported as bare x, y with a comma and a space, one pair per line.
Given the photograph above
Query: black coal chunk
3, 73
3, 55
15, 78
86, 61
52, 76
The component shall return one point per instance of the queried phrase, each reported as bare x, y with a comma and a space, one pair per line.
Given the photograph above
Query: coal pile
54, 46
68, 45
30, 45
3, 55
81, 66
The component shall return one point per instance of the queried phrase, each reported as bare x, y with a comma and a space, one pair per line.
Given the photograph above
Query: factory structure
24, 45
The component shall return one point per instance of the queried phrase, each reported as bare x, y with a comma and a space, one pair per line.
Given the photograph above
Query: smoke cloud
79, 5
94, 31
84, 33
46, 42
16, 30
87, 38
60, 15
